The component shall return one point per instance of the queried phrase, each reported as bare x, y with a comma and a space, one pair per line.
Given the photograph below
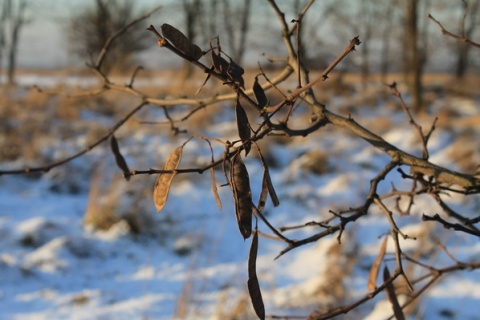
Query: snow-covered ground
192, 261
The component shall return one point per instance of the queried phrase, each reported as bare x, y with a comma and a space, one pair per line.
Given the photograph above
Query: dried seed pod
235, 73
267, 181
392, 296
262, 199
242, 195
164, 180
214, 189
212, 177
243, 127
376, 266
259, 94
180, 41
119, 159
220, 64
252, 283
216, 61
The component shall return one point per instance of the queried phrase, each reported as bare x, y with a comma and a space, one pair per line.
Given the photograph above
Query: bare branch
450, 34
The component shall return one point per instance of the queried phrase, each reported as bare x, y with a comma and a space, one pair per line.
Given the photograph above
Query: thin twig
450, 34
46, 168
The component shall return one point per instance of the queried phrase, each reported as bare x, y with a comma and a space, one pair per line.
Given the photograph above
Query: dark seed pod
235, 73
392, 296
243, 127
180, 41
252, 283
267, 183
259, 94
242, 195
119, 159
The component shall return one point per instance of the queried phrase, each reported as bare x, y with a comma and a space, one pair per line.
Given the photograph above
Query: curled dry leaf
242, 195
219, 64
372, 278
252, 283
212, 177
235, 73
119, 159
214, 189
243, 127
262, 199
230, 70
259, 94
180, 41
164, 180
392, 297
267, 181
203, 84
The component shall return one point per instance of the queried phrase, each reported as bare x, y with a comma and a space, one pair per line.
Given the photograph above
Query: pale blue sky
44, 44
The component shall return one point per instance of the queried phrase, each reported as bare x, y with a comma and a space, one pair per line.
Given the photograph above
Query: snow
54, 267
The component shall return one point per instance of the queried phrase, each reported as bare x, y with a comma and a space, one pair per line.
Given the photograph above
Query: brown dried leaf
392, 297
252, 283
180, 41
243, 127
372, 278
164, 180
259, 94
119, 159
242, 195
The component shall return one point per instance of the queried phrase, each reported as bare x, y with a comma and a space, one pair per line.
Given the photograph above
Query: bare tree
12, 21
90, 29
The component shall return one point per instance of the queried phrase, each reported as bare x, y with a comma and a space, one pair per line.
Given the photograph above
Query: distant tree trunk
463, 49
3, 21
11, 24
212, 23
237, 44
366, 14
193, 15
413, 67
462, 59
386, 36
17, 23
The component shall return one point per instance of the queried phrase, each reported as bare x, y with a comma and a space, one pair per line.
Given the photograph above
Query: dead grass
103, 202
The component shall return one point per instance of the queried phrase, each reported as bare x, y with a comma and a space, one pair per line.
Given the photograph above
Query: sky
43, 41
44, 44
